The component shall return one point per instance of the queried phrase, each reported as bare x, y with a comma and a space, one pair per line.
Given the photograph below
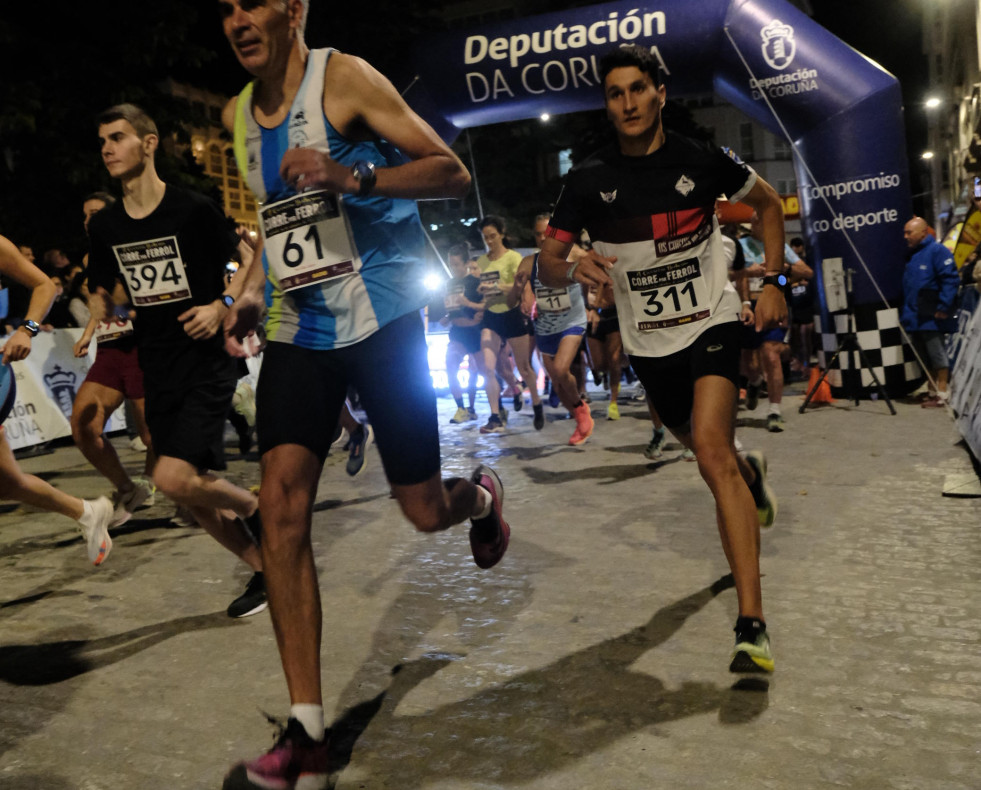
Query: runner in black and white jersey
648, 204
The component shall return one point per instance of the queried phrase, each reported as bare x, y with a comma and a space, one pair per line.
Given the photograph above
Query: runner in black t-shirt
464, 312
163, 250
648, 203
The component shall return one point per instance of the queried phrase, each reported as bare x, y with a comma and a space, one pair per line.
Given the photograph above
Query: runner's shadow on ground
607, 474
334, 504
54, 662
537, 722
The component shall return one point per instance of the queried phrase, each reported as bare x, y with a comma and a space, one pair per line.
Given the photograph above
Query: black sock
748, 628
459, 402
537, 407
756, 487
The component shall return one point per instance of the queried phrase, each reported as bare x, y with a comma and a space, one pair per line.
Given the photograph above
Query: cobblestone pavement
594, 656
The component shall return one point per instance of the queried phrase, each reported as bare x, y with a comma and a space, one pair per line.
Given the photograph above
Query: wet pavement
594, 656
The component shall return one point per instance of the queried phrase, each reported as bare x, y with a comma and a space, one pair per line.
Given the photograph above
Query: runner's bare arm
771, 307
554, 266
17, 267
245, 314
521, 278
362, 104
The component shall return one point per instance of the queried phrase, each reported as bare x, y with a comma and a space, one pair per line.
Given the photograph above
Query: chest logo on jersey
608, 197
684, 185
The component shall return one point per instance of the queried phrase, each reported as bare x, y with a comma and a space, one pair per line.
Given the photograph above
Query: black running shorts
301, 392
189, 424
670, 380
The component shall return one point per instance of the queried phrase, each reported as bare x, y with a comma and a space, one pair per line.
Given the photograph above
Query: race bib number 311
154, 271
307, 240
668, 295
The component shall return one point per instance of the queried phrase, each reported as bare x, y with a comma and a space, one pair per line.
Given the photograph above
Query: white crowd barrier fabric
47, 382
965, 381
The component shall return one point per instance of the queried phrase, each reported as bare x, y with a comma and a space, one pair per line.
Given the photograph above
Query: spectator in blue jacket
930, 285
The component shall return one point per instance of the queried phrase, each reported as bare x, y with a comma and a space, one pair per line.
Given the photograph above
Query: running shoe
252, 601
489, 536
462, 415
766, 500
124, 505
471, 414
518, 400
613, 411
493, 425
296, 762
752, 653
359, 445
584, 425
503, 414
94, 526
183, 517
752, 396
539, 421
136, 444
688, 455
774, 422
640, 394
656, 447
553, 399
585, 397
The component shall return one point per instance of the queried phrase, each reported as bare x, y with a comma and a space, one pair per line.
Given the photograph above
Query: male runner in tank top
336, 160
163, 250
648, 203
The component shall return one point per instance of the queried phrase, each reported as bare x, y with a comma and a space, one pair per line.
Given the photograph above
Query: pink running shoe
584, 425
489, 536
296, 762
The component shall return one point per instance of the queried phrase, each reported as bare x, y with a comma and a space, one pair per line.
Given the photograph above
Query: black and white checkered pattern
879, 335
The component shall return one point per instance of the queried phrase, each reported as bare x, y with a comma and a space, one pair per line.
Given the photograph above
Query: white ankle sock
311, 717
88, 515
482, 504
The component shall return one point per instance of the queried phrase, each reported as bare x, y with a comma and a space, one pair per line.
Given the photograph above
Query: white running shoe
124, 505
94, 525
243, 401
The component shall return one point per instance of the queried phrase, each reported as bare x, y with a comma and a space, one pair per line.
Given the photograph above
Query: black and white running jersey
656, 214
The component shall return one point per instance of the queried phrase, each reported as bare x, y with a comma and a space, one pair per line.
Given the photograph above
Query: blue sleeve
948, 280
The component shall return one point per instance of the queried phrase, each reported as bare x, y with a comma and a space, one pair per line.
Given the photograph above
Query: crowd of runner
337, 160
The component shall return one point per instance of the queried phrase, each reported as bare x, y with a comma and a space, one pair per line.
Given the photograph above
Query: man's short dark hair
797, 241
105, 197
630, 55
136, 117
461, 251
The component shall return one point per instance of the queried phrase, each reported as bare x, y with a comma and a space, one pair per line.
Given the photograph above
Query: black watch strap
779, 280
33, 327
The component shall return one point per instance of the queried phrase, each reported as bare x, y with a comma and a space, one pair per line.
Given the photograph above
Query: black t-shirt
467, 286
168, 262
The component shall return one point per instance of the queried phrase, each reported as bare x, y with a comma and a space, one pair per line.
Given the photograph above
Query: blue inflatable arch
842, 112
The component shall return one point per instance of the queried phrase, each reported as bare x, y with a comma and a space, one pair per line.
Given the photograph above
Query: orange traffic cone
823, 394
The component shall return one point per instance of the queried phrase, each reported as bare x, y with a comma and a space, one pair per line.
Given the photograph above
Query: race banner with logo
842, 111
47, 382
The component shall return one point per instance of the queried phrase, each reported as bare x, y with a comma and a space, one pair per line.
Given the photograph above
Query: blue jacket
931, 266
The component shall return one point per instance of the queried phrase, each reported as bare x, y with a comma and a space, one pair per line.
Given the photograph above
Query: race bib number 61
307, 240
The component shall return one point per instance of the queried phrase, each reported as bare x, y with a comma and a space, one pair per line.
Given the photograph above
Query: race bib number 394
154, 271
307, 240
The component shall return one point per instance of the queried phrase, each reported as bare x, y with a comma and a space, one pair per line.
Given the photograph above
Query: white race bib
668, 295
154, 271
553, 300
113, 329
307, 240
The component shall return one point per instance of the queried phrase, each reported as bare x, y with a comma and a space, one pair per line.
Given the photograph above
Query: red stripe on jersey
561, 235
677, 223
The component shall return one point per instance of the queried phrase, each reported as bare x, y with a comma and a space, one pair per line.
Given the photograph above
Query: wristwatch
779, 280
33, 327
364, 173
227, 300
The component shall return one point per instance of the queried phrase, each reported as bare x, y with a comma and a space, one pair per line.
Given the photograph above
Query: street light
932, 103
927, 155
